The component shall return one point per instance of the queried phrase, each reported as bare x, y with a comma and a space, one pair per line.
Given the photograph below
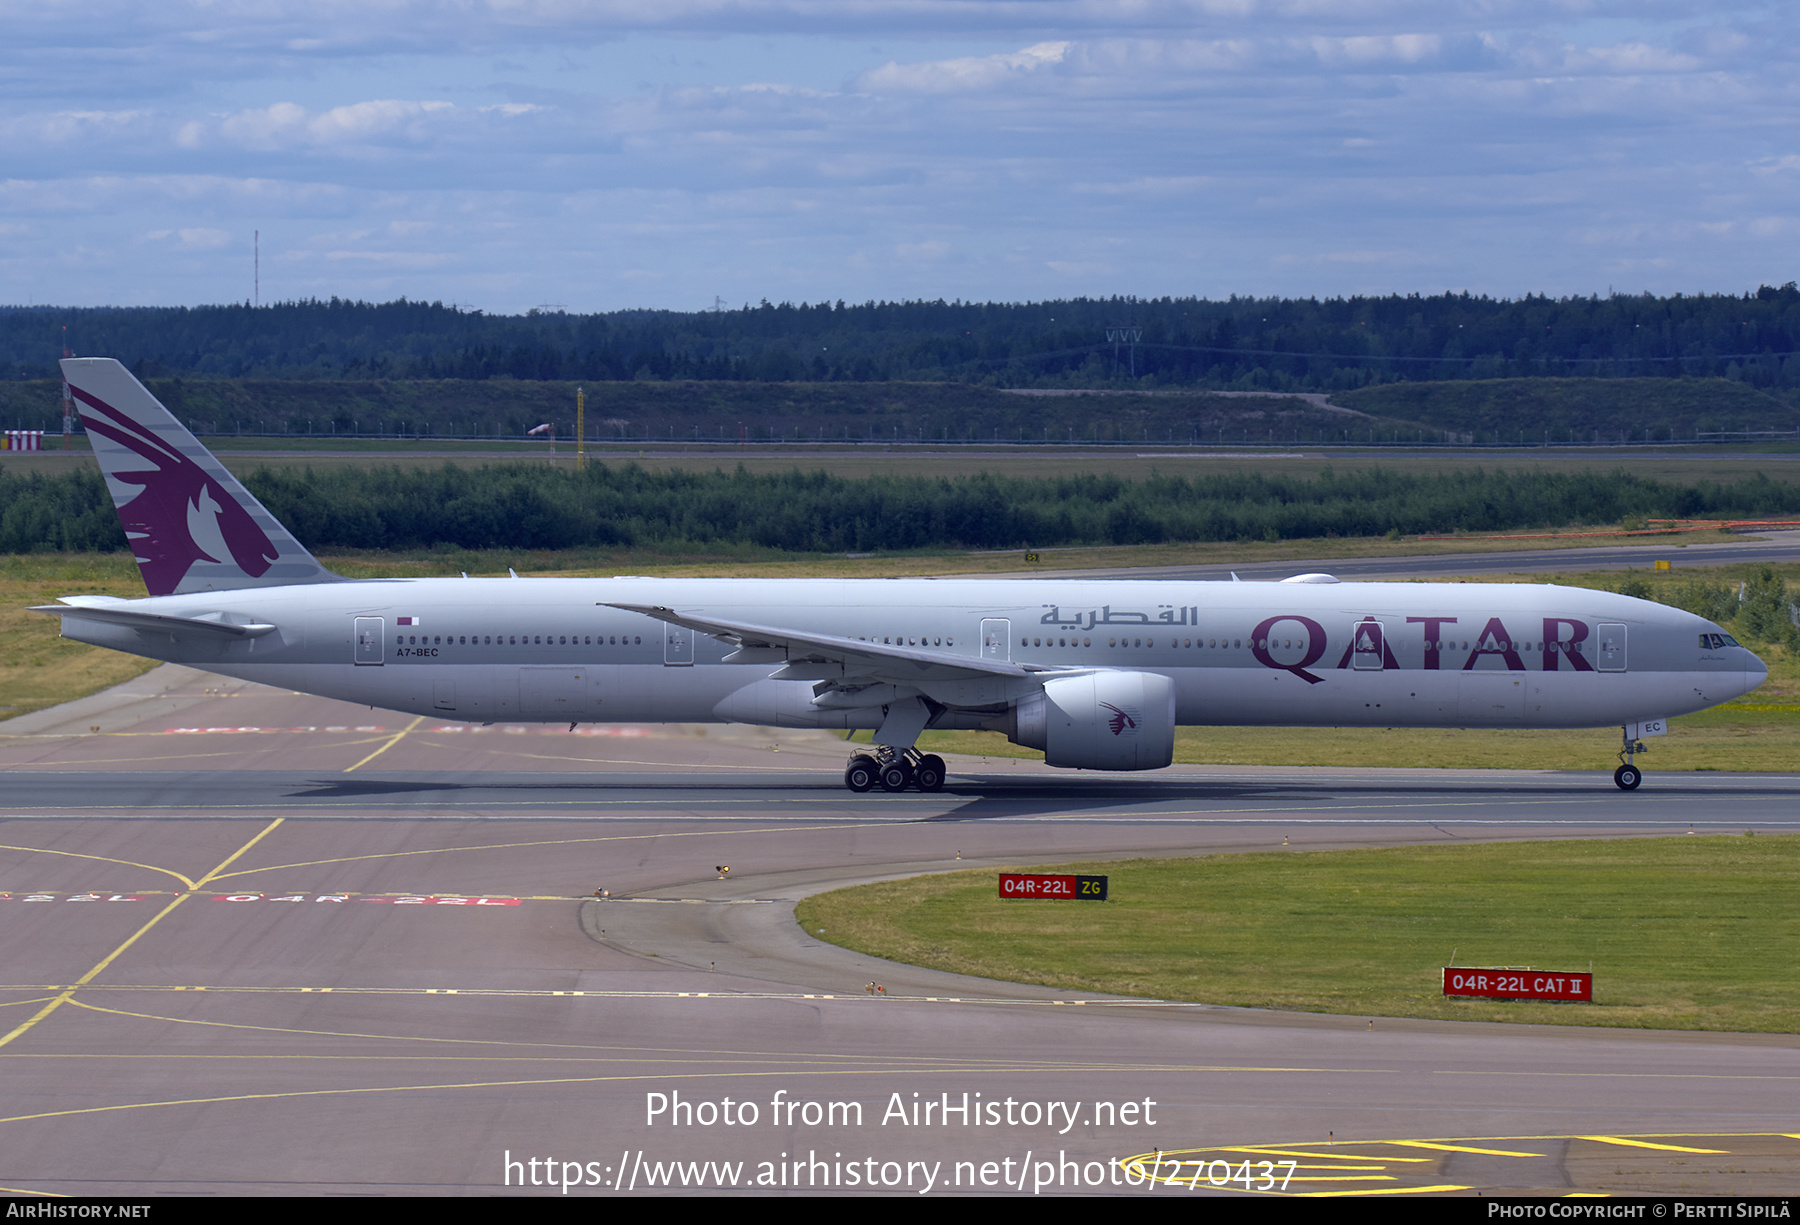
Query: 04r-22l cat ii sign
1097, 673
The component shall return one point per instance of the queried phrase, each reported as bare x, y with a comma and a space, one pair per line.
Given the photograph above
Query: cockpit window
1716, 642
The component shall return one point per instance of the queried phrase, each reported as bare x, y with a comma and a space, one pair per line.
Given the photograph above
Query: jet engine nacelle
1101, 721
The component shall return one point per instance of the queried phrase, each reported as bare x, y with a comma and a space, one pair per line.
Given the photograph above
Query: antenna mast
580, 430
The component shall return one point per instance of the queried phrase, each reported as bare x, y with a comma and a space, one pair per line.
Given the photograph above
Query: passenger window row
1265, 643
513, 640
1209, 643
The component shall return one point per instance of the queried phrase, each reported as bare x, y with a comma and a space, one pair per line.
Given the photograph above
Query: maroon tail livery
191, 525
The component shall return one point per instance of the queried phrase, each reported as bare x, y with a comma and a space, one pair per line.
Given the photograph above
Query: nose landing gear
893, 770
1628, 776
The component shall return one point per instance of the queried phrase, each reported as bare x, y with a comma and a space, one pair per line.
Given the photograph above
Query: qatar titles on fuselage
1097, 672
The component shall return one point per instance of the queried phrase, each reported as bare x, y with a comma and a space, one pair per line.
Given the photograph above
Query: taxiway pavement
261, 943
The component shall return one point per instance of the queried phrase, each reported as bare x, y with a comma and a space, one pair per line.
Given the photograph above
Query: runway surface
259, 943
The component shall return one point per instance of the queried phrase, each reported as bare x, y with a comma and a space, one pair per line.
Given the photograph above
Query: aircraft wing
893, 664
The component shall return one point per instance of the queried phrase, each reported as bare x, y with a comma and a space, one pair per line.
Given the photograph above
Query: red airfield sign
1053, 887
1510, 984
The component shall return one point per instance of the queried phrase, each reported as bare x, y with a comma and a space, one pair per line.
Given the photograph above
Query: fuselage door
678, 645
996, 639
552, 693
370, 641
1610, 653
1367, 645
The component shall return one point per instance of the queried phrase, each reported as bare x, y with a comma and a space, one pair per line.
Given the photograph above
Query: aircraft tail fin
191, 525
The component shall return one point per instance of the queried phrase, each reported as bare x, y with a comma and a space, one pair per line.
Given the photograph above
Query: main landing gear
1628, 776
893, 770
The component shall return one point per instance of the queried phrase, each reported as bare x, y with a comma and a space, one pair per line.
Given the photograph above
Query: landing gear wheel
860, 774
1628, 777
929, 773
896, 776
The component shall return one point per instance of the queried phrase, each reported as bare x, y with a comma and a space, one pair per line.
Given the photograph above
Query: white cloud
1365, 50
365, 119
1149, 186
1368, 257
394, 259
63, 127
191, 238
1627, 59
265, 128
286, 125
1396, 258
922, 252
202, 239
967, 73
110, 196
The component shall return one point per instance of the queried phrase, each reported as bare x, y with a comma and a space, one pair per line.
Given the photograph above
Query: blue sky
511, 153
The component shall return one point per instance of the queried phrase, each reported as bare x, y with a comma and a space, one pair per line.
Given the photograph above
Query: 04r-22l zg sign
1053, 887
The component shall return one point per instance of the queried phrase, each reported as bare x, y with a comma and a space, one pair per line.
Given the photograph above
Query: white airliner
1097, 673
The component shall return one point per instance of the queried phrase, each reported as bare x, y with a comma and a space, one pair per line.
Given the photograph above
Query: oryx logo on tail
189, 523
179, 517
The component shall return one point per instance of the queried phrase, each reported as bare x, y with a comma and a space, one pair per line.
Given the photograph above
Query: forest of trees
526, 507
1237, 343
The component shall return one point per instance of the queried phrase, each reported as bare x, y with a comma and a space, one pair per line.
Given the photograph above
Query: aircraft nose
1755, 672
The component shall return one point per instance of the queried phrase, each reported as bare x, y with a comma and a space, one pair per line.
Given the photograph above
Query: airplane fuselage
1294, 653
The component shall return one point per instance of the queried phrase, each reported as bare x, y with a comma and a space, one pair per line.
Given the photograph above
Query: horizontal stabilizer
207, 624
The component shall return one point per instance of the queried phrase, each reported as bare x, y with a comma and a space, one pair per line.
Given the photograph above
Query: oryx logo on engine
1122, 719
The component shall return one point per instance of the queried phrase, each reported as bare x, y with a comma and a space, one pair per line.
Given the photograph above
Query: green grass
1563, 409
1677, 464
38, 668
1681, 933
